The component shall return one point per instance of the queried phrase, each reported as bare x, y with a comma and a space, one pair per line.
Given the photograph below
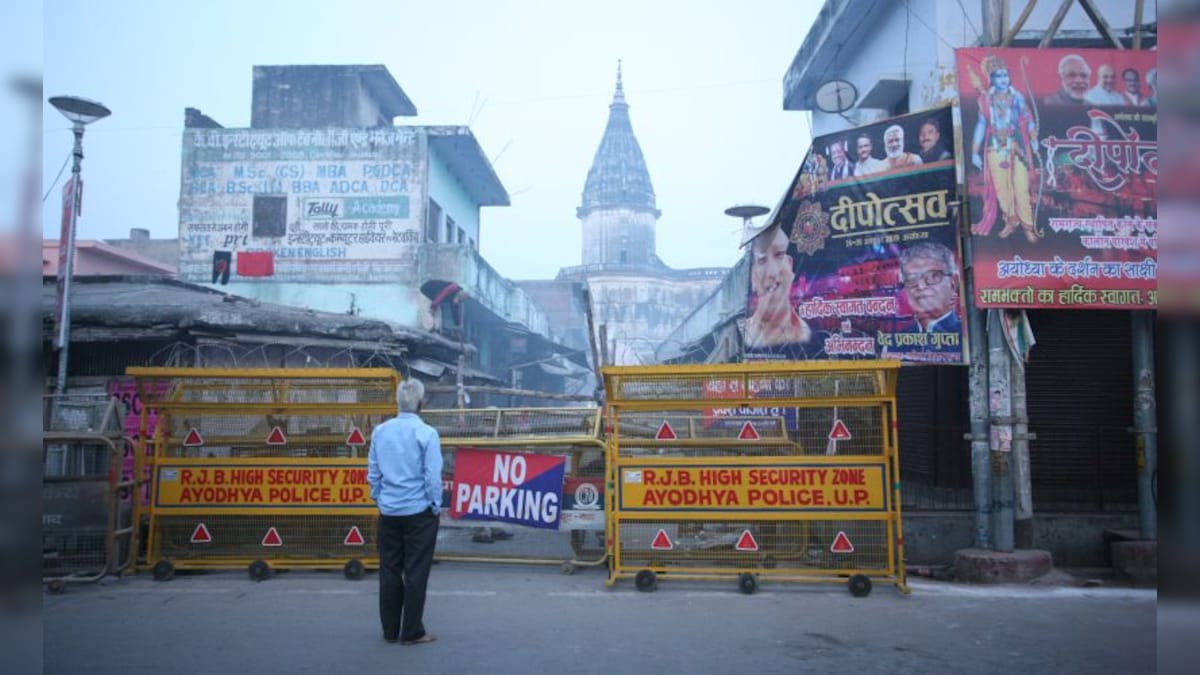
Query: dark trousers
406, 546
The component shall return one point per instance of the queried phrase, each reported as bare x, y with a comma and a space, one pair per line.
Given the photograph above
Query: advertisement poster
1061, 156
511, 487
126, 391
861, 259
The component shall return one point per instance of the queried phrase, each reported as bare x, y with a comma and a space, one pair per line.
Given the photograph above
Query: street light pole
80, 112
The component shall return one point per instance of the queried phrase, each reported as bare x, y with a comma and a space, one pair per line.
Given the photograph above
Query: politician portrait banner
860, 259
1061, 155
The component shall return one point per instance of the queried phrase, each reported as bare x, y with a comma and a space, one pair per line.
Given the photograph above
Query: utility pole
1022, 474
977, 379
996, 483
1145, 410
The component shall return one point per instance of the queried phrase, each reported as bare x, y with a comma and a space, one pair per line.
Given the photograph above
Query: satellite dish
746, 212
835, 96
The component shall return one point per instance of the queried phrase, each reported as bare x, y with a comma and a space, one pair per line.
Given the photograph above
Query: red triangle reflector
276, 437
841, 544
201, 535
354, 537
839, 432
272, 538
661, 541
193, 438
355, 437
665, 433
746, 542
748, 433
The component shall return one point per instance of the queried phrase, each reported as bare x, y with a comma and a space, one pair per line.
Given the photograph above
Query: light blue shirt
404, 466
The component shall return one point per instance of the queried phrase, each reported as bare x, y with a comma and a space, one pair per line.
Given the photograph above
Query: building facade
322, 203
899, 57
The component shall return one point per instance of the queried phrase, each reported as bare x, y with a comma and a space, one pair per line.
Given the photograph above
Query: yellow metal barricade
262, 467
787, 471
85, 528
576, 535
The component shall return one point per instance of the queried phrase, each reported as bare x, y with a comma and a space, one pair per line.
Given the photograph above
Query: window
624, 257
270, 216
473, 246
433, 221
449, 239
900, 107
462, 236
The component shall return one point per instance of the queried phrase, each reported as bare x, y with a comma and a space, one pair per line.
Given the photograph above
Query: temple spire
618, 177
619, 95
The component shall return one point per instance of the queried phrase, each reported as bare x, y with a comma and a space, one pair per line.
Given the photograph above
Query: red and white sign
746, 542
524, 488
193, 439
276, 437
201, 535
356, 437
661, 541
354, 537
839, 432
272, 538
841, 543
748, 433
665, 432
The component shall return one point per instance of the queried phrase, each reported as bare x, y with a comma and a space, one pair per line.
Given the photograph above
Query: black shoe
482, 538
502, 535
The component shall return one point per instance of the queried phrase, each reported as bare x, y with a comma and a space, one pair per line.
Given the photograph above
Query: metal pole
994, 15
977, 374
1145, 410
1022, 476
64, 326
1000, 445
986, 476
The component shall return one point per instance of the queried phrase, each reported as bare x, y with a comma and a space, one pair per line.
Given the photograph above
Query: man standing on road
404, 469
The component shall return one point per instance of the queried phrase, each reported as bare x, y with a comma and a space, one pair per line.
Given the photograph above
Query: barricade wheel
259, 570
353, 570
646, 581
860, 585
747, 583
56, 586
568, 569
163, 570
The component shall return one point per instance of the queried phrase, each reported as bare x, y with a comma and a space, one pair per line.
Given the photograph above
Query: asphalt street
522, 618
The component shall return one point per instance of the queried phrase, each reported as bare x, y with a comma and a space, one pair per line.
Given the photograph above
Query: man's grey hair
930, 250
409, 395
1073, 58
894, 129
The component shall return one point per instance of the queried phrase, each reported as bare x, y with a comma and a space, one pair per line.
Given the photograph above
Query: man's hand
977, 160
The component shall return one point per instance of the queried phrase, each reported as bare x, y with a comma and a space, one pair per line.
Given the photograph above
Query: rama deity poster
1060, 148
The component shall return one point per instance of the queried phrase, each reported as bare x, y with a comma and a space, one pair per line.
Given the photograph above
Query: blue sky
533, 79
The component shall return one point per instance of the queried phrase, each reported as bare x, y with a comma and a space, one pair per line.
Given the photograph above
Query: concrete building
98, 257
1083, 459
322, 203
165, 251
634, 296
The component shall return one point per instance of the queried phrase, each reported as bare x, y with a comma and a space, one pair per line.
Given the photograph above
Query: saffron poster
1061, 154
861, 259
